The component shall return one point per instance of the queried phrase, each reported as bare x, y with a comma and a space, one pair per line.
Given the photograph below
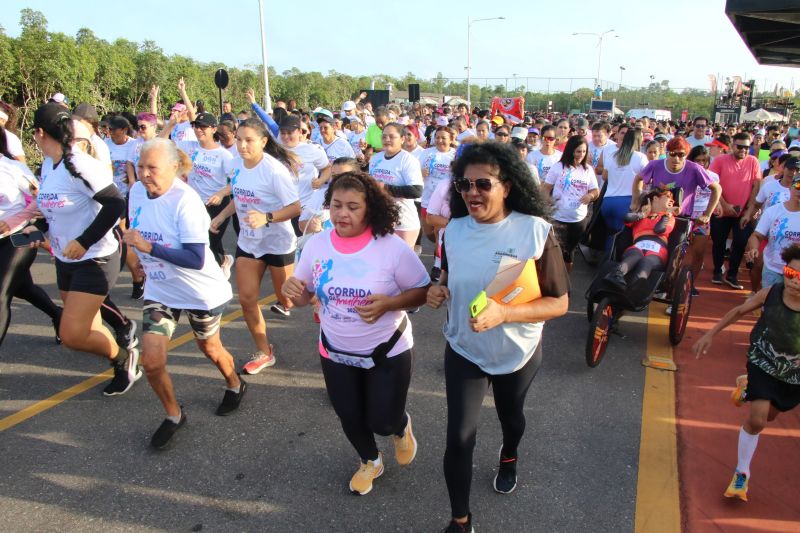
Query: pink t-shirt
343, 273
736, 177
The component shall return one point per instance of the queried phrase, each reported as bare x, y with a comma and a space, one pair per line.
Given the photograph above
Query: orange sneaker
361, 482
738, 487
740, 392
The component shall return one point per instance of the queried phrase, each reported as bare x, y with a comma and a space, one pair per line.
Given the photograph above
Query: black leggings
215, 239
16, 282
569, 235
634, 260
466, 386
369, 401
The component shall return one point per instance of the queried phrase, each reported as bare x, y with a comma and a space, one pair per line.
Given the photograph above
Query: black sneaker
280, 309
733, 283
163, 435
455, 527
231, 400
716, 278
126, 337
436, 273
506, 479
126, 373
57, 325
616, 278
137, 293
695, 292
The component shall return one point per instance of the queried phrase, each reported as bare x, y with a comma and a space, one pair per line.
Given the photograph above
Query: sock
376, 462
747, 447
234, 390
121, 357
175, 419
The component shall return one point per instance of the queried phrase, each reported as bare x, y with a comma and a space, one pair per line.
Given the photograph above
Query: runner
436, 166
547, 155
81, 206
496, 213
334, 146
265, 200
772, 383
366, 345
169, 230
700, 227
619, 170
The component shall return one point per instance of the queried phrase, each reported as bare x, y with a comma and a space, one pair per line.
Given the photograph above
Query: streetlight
267, 100
621, 69
469, 73
599, 48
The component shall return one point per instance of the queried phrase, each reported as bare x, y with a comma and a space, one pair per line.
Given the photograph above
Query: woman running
619, 170
364, 278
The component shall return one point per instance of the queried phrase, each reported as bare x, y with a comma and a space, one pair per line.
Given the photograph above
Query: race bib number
648, 246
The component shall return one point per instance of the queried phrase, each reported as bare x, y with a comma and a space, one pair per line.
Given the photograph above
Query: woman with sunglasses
502, 134
497, 211
572, 185
547, 155
399, 173
772, 382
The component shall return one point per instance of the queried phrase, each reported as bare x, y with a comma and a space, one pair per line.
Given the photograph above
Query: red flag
511, 109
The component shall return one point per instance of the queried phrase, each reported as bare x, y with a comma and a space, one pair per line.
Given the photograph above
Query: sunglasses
791, 273
679, 155
501, 134
463, 185
142, 127
742, 146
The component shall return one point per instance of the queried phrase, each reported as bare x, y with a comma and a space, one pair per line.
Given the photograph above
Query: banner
737, 85
713, 79
511, 109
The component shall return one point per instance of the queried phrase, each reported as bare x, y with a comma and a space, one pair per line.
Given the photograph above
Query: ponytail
62, 132
272, 147
4, 143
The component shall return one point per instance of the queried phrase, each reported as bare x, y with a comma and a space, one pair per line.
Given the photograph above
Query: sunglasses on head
679, 155
482, 184
791, 273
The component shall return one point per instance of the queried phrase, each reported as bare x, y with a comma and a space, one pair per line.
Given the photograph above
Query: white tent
777, 117
758, 115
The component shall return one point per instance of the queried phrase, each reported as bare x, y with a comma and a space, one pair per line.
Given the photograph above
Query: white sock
175, 419
747, 447
234, 390
377, 462
437, 262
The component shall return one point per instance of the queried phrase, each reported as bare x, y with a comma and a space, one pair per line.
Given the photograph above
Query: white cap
441, 121
348, 105
519, 132
59, 97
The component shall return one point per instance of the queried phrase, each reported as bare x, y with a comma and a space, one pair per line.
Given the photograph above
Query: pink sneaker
259, 361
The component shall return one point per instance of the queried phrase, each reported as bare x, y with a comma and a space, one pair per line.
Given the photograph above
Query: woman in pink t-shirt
364, 278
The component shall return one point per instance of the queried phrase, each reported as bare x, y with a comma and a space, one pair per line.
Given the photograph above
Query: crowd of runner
336, 206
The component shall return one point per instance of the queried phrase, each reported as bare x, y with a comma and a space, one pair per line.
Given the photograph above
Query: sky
682, 41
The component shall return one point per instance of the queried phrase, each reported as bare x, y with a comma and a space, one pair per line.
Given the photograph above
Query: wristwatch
269, 219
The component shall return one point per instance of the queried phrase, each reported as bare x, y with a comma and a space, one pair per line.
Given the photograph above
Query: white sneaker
227, 263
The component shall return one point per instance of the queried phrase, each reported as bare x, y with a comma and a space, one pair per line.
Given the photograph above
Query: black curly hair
524, 196
56, 121
383, 214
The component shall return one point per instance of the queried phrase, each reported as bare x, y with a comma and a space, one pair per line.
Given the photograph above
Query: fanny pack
376, 358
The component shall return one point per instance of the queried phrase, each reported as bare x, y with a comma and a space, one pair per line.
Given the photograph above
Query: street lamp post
469, 73
267, 100
621, 69
599, 48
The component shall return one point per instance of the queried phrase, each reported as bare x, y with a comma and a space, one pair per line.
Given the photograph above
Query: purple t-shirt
689, 179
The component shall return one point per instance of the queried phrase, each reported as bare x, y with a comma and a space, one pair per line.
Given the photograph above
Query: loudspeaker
413, 92
376, 98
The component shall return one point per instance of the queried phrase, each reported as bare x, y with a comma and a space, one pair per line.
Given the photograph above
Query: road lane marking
61, 397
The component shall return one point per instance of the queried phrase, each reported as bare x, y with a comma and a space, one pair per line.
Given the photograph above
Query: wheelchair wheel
599, 332
681, 305
589, 309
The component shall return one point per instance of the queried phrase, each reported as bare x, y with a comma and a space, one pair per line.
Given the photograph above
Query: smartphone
478, 304
20, 240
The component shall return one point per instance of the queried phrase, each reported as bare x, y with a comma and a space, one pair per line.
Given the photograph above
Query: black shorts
92, 276
272, 260
761, 386
569, 235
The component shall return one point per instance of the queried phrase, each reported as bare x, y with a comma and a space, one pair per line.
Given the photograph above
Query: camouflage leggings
159, 319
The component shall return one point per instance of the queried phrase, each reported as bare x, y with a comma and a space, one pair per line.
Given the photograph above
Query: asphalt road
282, 463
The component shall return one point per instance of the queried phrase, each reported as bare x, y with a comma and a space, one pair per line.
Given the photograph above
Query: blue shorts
770, 277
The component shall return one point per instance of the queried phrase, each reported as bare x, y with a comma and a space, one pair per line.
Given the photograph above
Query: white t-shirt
438, 165
101, 150
210, 168
595, 152
703, 195
14, 145
313, 159
119, 162
338, 148
439, 204
233, 149
315, 207
355, 141
15, 183
543, 162
401, 169
464, 134
175, 218
771, 193
620, 179
569, 186
341, 281
782, 229
66, 202
693, 141
183, 131
268, 187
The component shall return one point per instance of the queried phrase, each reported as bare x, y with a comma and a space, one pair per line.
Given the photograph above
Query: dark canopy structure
769, 28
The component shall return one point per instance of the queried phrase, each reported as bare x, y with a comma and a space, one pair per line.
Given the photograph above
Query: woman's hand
377, 306
255, 219
73, 250
751, 254
132, 237
492, 316
216, 222
702, 345
251, 96
293, 288
437, 294
215, 199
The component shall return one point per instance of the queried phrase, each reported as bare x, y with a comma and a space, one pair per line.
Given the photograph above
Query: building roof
769, 28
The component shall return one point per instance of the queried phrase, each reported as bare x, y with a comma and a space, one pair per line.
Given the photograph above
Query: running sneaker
668, 310
740, 392
126, 336
163, 435
126, 373
259, 361
738, 486
57, 325
231, 400
280, 309
733, 283
361, 482
716, 278
405, 447
227, 263
457, 527
137, 293
695, 292
436, 273
506, 479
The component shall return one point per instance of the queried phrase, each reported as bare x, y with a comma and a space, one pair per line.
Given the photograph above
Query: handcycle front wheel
681, 305
599, 332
